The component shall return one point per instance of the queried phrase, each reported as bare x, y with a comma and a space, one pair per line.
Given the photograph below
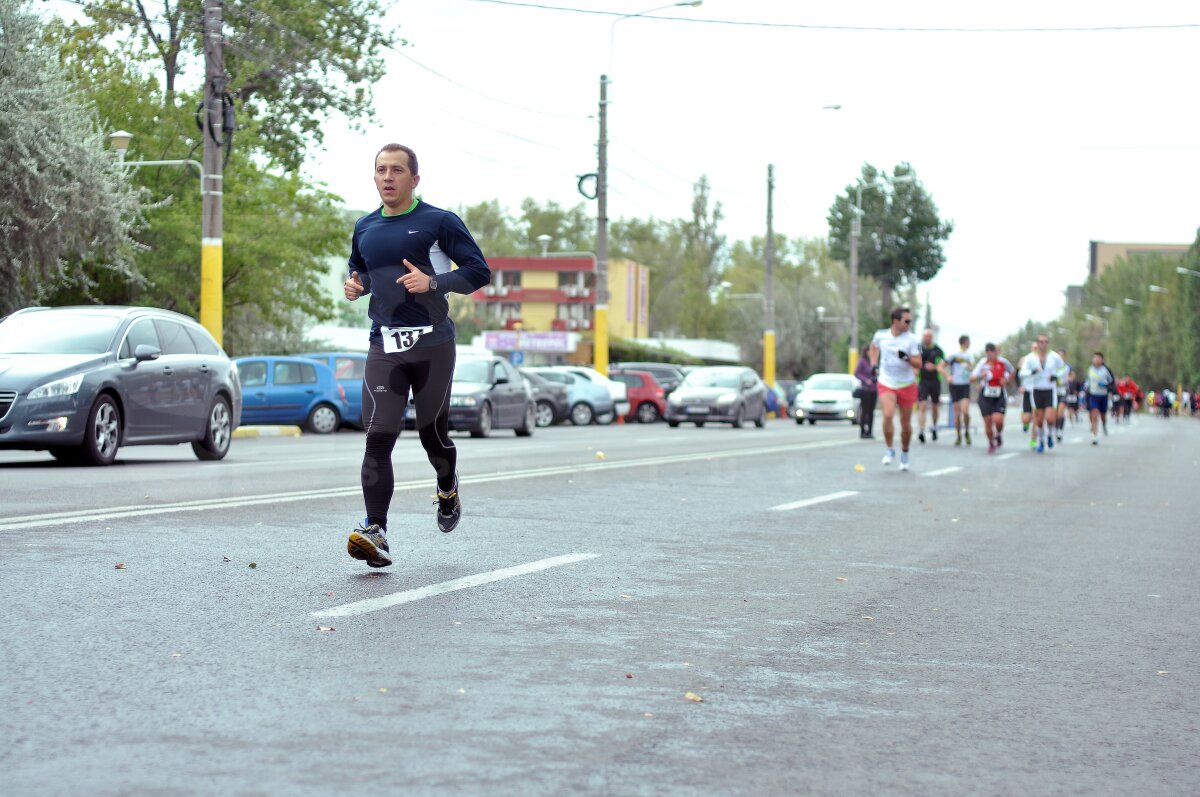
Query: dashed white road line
1009, 455
820, 499
408, 596
943, 471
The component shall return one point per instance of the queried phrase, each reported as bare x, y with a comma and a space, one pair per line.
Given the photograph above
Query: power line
850, 28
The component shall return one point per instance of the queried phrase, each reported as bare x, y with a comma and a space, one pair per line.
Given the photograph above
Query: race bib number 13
399, 339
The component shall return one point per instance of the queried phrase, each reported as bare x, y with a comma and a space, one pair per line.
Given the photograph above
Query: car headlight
727, 398
68, 386
463, 401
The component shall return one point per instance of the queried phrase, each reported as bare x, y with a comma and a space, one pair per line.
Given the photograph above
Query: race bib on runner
400, 339
992, 391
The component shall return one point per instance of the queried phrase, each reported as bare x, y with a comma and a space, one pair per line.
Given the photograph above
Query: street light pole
769, 286
855, 232
211, 242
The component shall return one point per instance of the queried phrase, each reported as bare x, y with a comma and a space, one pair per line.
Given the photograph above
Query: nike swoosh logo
412, 232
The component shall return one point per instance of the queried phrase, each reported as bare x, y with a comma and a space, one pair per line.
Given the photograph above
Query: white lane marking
408, 596
820, 499
1009, 455
942, 471
112, 513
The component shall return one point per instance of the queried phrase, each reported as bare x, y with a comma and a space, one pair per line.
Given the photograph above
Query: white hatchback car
827, 397
616, 389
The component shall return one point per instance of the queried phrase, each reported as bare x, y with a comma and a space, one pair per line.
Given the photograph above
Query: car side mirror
501, 379
144, 351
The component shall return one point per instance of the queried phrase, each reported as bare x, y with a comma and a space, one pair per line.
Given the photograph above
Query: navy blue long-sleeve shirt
431, 239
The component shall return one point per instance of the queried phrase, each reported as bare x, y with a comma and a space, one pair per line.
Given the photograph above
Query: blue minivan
349, 368
291, 390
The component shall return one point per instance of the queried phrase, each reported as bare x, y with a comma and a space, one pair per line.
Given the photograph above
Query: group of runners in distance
909, 374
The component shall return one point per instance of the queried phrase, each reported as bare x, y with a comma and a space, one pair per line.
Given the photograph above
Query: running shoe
1033, 443
999, 442
449, 509
1095, 442
921, 436
1050, 441
958, 440
933, 432
369, 544
1041, 447
903, 460
991, 448
889, 456
967, 435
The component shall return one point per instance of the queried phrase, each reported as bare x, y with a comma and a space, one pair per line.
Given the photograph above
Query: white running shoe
903, 460
889, 456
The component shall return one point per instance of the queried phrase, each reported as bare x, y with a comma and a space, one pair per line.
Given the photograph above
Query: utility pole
214, 131
769, 286
855, 232
600, 318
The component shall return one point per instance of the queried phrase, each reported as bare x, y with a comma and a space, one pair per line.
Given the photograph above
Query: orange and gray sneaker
370, 545
449, 509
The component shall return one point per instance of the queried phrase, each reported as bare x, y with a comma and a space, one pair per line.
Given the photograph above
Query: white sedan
827, 397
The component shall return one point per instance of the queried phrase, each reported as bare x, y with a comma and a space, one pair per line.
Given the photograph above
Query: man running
401, 254
899, 364
1026, 394
957, 368
1074, 388
1099, 384
1060, 390
992, 373
929, 386
1040, 372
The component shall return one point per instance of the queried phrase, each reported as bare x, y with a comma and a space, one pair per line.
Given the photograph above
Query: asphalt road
627, 610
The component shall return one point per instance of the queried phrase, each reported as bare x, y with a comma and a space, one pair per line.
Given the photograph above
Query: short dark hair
1099, 354
897, 312
412, 156
963, 339
989, 347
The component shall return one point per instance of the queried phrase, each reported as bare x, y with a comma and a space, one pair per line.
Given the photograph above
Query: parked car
80, 382
589, 402
348, 368
291, 391
790, 388
724, 393
487, 393
647, 399
615, 389
668, 375
827, 397
552, 402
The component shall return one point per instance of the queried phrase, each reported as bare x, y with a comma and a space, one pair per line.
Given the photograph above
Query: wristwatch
433, 283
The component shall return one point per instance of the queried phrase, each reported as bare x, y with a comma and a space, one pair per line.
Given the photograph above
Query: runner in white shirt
957, 368
1040, 371
899, 364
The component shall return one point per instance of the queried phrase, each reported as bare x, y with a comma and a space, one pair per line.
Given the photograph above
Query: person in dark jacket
867, 373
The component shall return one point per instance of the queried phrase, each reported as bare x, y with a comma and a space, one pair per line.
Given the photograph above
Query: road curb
266, 431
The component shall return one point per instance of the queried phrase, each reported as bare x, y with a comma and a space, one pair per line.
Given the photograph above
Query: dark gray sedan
80, 382
724, 393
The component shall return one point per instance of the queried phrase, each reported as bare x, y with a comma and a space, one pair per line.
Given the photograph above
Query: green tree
902, 235
66, 211
292, 63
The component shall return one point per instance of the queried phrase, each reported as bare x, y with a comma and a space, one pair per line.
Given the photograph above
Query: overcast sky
1033, 143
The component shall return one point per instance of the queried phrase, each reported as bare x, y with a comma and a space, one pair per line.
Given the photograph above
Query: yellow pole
211, 278
852, 356
600, 337
769, 357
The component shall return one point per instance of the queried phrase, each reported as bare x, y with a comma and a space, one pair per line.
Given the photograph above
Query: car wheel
323, 419
699, 424
581, 414
102, 435
673, 424
647, 413
739, 417
483, 427
545, 414
761, 420
528, 424
217, 432
812, 421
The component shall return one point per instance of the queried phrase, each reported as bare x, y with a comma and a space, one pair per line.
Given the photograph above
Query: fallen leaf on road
859, 468
953, 520
648, 715
326, 628
868, 617
627, 597
119, 566
226, 559
692, 696
840, 578
599, 455
383, 689
329, 594
628, 675
254, 565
